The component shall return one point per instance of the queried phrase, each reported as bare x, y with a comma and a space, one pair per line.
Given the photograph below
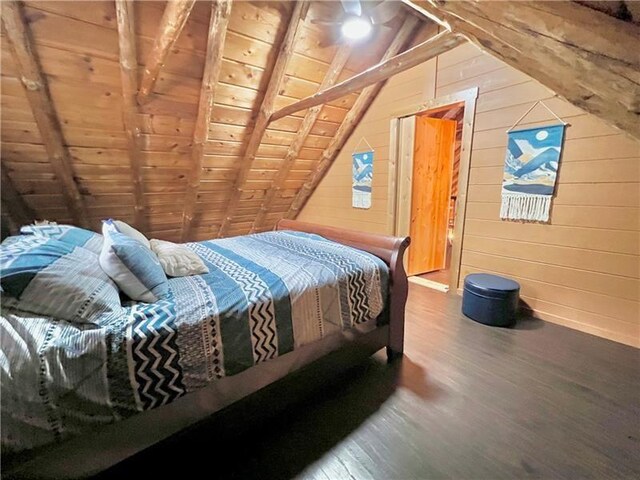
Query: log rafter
352, 119
337, 64
388, 67
39, 98
583, 55
173, 21
219, 20
265, 112
129, 80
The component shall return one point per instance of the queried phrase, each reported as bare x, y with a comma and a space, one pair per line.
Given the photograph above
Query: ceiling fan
358, 18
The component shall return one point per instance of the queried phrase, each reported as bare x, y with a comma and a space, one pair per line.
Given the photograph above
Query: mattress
265, 295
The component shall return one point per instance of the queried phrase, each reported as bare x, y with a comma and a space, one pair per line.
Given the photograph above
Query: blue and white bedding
69, 234
265, 295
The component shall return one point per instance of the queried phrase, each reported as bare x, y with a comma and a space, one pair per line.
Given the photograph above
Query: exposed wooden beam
129, 80
266, 110
414, 8
173, 20
386, 68
350, 122
585, 56
626, 10
220, 13
18, 210
37, 92
337, 64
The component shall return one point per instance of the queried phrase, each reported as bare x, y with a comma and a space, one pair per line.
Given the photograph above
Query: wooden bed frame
96, 451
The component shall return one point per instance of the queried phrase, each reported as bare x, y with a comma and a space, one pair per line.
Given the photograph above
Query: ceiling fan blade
384, 12
352, 7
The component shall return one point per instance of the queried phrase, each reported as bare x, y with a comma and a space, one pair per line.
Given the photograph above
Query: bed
78, 399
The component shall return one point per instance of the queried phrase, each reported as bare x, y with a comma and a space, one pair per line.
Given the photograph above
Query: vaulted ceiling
161, 160
194, 120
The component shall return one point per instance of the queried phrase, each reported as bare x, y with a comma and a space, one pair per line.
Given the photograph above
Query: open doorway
436, 166
430, 162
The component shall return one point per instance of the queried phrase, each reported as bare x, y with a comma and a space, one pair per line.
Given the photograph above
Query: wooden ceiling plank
14, 205
350, 122
129, 80
338, 63
220, 13
388, 67
285, 53
173, 21
584, 56
37, 92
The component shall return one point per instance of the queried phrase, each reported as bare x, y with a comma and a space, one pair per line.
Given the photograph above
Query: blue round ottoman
490, 299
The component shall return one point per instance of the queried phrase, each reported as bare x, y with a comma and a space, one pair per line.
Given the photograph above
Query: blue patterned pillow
134, 267
55, 279
78, 237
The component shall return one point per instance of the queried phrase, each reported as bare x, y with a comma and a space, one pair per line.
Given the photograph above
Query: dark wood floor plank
466, 401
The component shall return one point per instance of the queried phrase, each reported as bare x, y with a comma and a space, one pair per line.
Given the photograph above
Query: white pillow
131, 232
178, 260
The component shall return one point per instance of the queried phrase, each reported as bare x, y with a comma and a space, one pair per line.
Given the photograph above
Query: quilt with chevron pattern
264, 296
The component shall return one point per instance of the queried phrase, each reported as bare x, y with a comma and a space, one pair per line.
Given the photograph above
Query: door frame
396, 150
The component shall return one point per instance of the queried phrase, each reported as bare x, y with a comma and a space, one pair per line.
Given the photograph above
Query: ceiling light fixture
356, 28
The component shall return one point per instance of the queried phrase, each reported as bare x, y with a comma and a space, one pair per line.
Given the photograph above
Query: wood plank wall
582, 270
331, 202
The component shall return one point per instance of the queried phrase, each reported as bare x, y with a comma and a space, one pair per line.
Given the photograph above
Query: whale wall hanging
530, 170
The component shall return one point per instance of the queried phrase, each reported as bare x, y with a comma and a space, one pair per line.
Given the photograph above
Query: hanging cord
529, 111
355, 150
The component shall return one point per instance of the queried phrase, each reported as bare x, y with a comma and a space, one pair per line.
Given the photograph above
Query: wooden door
433, 152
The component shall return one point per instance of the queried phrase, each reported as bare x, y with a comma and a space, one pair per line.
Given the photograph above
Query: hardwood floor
440, 276
467, 401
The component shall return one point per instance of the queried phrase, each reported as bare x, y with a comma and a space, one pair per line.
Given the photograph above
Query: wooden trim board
441, 287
